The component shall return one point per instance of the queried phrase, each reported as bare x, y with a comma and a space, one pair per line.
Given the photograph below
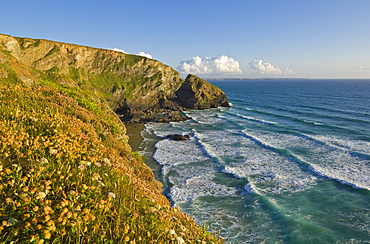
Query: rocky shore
67, 150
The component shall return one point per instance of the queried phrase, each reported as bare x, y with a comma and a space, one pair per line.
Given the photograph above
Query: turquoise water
289, 162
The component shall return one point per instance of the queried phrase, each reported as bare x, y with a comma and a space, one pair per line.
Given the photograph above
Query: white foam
200, 185
312, 122
207, 117
325, 159
169, 152
253, 119
242, 155
268, 171
221, 143
250, 188
344, 143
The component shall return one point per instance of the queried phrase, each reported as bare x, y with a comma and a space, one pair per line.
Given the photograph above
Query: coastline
133, 131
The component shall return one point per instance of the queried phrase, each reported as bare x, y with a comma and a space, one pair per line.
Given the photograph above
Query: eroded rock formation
135, 87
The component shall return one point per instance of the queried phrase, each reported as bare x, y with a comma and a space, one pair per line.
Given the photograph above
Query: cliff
67, 173
135, 87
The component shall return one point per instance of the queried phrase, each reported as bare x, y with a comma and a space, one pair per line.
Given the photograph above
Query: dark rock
135, 87
178, 137
196, 93
173, 116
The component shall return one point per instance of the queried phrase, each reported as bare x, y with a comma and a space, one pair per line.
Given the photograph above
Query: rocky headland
67, 172
135, 87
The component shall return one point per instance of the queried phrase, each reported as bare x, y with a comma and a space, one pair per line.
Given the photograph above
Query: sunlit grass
65, 177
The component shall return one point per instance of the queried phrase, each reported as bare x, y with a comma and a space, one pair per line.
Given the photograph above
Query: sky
211, 38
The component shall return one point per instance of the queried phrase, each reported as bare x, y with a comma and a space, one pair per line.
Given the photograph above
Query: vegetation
53, 50
130, 60
67, 173
67, 177
27, 43
11, 76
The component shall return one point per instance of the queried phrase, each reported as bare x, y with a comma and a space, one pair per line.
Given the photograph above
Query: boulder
178, 137
173, 116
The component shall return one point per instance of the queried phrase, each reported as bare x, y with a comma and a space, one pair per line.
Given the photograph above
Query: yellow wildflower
48, 182
32, 238
43, 161
180, 240
8, 200
40, 195
86, 163
95, 176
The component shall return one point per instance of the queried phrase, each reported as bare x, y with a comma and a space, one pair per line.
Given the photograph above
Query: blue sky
218, 38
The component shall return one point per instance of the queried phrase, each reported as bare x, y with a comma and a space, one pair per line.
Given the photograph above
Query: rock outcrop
135, 87
178, 137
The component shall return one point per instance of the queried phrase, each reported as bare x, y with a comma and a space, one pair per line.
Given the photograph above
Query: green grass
11, 78
24, 41
60, 182
52, 51
131, 60
67, 173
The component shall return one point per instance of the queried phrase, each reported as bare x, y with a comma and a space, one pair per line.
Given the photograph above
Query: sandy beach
134, 132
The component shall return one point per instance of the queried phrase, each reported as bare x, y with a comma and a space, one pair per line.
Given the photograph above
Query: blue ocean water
289, 162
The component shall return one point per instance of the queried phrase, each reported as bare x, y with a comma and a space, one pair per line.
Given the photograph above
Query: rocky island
67, 173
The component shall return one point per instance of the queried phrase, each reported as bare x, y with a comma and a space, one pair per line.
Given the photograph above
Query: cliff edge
67, 173
135, 87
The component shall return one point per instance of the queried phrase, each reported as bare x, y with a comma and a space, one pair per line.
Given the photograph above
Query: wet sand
134, 132
135, 140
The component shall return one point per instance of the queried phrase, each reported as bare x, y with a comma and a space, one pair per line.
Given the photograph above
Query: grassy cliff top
67, 173
67, 177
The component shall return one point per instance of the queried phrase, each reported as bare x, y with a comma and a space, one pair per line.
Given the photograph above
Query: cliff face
67, 172
135, 87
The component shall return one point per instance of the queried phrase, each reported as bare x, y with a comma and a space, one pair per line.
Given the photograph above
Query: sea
288, 162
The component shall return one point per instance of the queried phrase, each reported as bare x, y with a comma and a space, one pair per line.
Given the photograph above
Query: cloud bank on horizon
221, 65
268, 69
362, 68
224, 65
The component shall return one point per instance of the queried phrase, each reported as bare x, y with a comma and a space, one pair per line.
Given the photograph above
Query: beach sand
134, 132
135, 139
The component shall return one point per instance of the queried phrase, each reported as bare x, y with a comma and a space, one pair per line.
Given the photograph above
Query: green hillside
67, 173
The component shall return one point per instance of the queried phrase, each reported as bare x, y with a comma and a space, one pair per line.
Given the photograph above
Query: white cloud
118, 50
210, 65
268, 69
288, 71
145, 55
140, 53
361, 68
